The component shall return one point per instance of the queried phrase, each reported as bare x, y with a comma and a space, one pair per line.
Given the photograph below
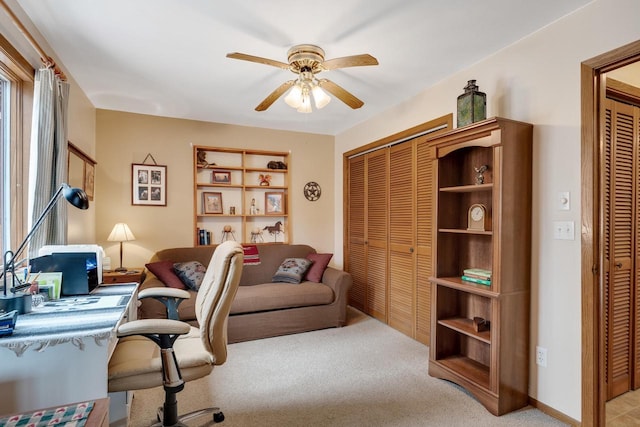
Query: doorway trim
592, 91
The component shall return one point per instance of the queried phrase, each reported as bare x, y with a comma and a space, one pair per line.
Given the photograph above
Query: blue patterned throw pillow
292, 270
191, 273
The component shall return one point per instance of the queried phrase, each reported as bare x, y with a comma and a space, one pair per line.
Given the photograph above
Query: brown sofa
261, 308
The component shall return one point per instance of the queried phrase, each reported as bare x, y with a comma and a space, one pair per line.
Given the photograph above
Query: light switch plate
564, 201
563, 230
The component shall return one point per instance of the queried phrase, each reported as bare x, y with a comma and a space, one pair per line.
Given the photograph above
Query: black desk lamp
20, 301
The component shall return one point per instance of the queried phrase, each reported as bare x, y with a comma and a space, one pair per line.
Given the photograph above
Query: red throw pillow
320, 262
164, 271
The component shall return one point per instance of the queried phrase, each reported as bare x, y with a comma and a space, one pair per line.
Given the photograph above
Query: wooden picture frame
81, 170
212, 202
221, 177
89, 179
149, 185
274, 203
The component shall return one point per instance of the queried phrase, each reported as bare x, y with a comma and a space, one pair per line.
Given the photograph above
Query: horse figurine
275, 229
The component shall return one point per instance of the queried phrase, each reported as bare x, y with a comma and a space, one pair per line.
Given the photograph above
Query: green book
477, 272
474, 280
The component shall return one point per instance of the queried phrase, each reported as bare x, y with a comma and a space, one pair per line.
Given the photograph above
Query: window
5, 164
16, 100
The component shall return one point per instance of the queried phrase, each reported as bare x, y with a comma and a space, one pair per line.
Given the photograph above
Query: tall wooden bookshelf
231, 200
491, 364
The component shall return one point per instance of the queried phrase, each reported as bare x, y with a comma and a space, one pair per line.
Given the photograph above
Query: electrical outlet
541, 356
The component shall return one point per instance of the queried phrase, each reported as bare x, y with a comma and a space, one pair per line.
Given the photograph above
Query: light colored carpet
364, 374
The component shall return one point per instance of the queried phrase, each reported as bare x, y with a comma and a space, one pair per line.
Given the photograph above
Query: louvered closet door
356, 257
402, 238
636, 256
377, 170
620, 166
425, 185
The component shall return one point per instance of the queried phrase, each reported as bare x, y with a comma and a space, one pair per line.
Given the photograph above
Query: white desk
59, 353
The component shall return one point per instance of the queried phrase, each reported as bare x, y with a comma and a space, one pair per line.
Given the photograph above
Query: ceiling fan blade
258, 59
350, 61
273, 96
340, 93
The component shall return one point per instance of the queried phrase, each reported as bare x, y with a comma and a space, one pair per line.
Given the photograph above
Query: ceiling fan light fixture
320, 97
307, 60
305, 106
294, 98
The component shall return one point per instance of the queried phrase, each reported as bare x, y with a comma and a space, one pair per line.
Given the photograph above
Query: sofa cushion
275, 296
320, 263
191, 273
163, 270
271, 257
292, 270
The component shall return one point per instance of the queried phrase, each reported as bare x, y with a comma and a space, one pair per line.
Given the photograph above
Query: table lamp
121, 233
21, 302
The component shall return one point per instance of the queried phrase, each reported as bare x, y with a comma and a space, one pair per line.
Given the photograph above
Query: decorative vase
472, 105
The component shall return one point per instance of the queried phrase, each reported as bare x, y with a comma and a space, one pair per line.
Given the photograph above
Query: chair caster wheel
218, 417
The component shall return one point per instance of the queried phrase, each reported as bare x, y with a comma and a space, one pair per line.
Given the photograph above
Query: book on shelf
477, 272
476, 280
204, 237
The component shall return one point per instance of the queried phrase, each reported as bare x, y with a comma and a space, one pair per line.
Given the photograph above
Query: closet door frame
592, 73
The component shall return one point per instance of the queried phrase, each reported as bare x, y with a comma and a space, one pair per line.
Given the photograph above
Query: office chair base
216, 414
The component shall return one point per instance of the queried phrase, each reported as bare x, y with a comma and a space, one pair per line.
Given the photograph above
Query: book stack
477, 275
204, 237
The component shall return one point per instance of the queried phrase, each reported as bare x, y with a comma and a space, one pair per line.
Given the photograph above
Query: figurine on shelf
265, 179
227, 233
275, 230
252, 209
256, 235
202, 159
276, 165
480, 173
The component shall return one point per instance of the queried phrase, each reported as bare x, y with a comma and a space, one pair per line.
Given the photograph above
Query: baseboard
553, 412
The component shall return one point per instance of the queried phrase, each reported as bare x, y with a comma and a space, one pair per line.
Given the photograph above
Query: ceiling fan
307, 60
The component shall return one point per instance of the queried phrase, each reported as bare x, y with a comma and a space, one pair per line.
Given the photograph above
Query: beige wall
82, 132
124, 138
536, 80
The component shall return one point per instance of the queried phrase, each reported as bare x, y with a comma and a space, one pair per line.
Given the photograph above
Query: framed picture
221, 177
211, 202
149, 185
274, 203
80, 170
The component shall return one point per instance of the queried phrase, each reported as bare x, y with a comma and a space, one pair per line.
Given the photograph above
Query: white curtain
48, 164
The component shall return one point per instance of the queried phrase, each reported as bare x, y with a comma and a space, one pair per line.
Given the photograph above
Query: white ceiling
167, 57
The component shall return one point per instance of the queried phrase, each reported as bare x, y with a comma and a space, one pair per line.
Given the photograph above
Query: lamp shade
76, 196
121, 233
294, 98
305, 106
320, 97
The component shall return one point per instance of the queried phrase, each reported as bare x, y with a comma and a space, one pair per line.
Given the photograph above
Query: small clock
477, 218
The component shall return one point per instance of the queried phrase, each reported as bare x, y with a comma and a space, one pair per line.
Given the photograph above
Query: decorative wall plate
312, 191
